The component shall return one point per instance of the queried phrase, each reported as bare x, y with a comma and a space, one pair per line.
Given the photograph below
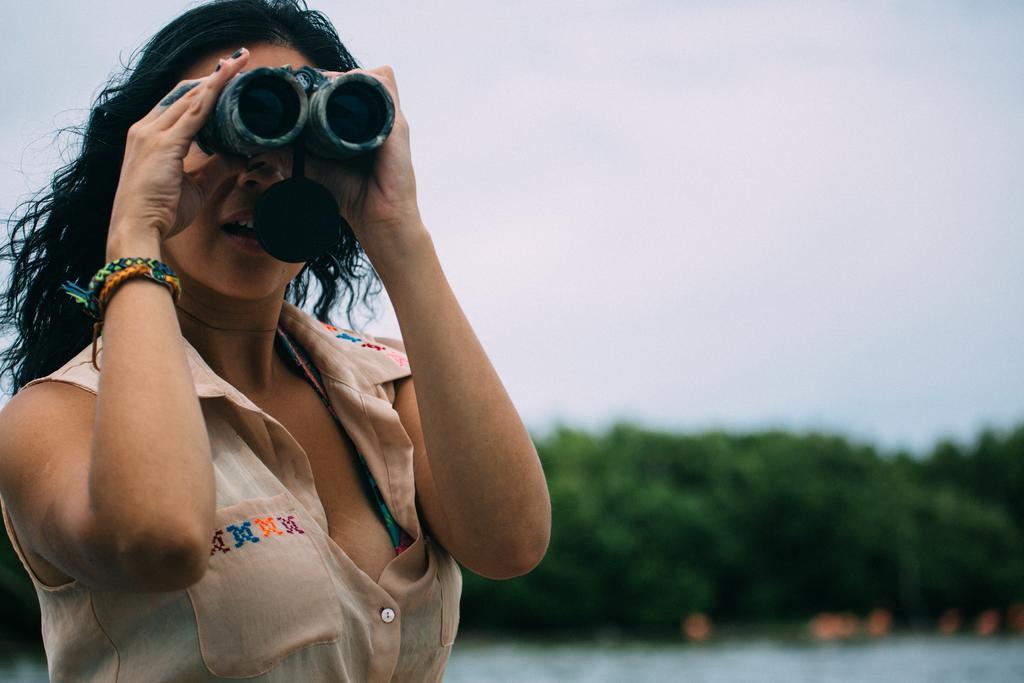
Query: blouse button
387, 615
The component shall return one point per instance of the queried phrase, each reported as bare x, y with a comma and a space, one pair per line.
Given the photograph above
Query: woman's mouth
242, 234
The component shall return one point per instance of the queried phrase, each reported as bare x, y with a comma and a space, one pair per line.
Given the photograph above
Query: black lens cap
297, 220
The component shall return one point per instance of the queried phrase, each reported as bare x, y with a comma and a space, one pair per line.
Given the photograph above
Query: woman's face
211, 263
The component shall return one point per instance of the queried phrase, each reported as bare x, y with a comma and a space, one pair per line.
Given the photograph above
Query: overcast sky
688, 214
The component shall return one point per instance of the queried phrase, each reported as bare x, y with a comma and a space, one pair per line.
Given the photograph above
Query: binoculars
342, 117
268, 107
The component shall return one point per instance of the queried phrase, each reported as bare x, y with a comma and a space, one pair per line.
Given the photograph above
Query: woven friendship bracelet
107, 280
120, 264
111, 283
89, 297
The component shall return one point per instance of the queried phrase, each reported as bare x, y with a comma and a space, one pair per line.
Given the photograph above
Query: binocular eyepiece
268, 107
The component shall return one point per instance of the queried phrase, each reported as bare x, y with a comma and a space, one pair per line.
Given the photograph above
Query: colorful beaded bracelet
108, 278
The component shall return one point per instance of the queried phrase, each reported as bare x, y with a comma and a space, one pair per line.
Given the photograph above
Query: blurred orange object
987, 623
697, 627
949, 622
878, 623
849, 624
829, 626
824, 627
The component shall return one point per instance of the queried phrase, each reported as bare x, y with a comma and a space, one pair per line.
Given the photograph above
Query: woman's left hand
378, 198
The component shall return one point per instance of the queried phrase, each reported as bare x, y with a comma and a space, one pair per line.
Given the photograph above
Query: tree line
770, 526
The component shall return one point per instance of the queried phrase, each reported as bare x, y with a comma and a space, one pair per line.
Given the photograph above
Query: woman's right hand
155, 196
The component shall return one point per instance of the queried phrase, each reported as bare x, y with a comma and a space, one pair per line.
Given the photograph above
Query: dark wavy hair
64, 231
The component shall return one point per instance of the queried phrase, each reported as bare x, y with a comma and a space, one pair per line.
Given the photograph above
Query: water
900, 659
22, 666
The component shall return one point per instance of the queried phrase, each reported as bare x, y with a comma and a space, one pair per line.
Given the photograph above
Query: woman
237, 488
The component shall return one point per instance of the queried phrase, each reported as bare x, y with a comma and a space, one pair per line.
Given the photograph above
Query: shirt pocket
449, 580
267, 592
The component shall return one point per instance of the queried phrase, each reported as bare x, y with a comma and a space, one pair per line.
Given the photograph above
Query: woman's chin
227, 284
225, 266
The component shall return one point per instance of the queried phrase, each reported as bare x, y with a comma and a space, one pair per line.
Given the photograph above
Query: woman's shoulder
47, 396
43, 416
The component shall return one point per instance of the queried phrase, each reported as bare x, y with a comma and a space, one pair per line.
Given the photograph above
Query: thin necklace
224, 329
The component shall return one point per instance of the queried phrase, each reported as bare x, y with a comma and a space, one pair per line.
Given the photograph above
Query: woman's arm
146, 508
478, 477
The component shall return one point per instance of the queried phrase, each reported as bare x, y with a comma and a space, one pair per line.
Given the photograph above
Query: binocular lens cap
297, 220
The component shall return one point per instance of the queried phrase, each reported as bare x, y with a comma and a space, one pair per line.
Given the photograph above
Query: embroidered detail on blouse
398, 357
267, 525
241, 532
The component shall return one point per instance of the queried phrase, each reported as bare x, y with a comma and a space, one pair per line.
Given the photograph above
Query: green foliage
19, 608
648, 527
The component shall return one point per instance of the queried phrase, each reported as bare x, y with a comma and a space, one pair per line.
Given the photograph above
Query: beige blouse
281, 601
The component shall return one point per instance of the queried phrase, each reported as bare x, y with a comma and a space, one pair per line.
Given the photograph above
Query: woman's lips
238, 217
248, 244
